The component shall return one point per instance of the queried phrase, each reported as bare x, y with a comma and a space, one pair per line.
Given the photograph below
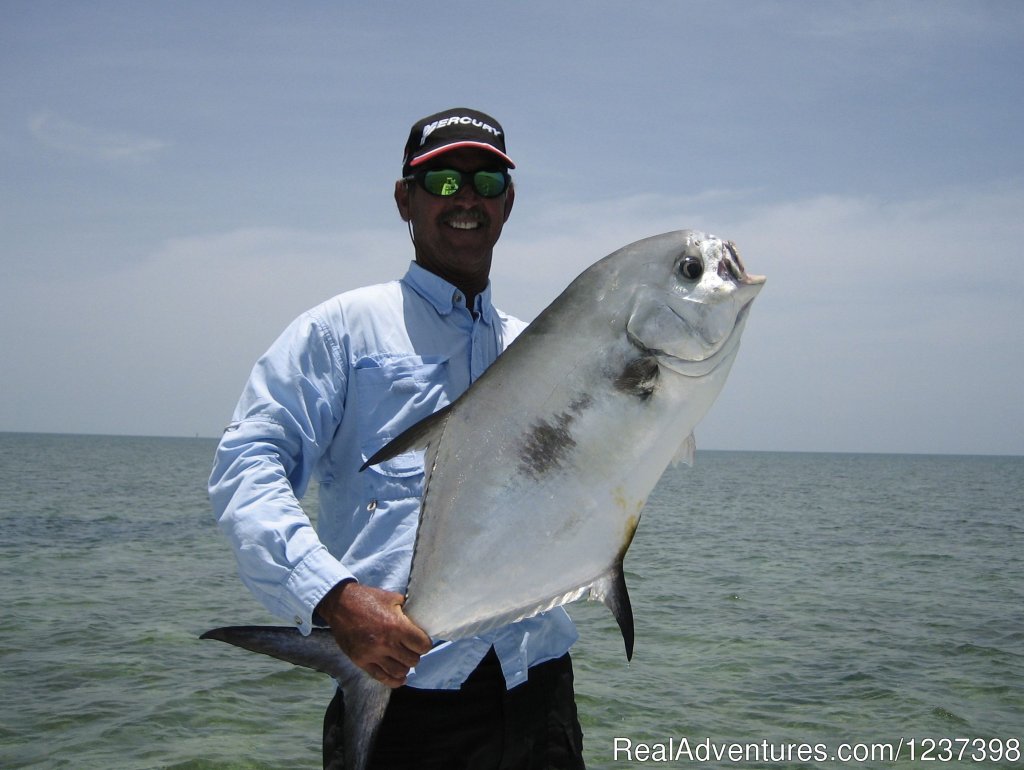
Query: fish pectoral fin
419, 436
610, 588
686, 452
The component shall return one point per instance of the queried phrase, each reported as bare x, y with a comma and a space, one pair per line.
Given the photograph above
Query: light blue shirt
342, 380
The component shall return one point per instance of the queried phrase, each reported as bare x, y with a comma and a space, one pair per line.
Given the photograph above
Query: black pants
481, 726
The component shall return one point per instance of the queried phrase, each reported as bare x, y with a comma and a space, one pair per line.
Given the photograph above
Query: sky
180, 180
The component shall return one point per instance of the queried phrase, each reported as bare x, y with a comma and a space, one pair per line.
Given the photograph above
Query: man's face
455, 235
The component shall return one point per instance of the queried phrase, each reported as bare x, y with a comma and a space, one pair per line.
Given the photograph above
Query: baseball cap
448, 130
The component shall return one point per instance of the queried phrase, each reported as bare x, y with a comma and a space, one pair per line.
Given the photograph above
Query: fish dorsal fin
686, 452
423, 435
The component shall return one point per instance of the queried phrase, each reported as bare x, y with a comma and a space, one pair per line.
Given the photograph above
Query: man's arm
288, 412
263, 464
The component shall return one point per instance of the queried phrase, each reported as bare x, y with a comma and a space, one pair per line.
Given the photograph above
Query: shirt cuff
310, 582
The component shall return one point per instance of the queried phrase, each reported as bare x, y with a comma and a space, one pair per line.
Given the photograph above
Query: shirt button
298, 620
457, 298
371, 506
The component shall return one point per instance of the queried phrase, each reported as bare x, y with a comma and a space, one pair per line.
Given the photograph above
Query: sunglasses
447, 181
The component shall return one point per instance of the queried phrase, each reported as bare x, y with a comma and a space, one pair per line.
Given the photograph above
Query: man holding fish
342, 381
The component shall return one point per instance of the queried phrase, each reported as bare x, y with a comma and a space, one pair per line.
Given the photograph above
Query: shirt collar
442, 295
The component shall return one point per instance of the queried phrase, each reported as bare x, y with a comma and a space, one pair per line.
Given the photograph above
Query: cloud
66, 136
827, 248
884, 326
545, 247
162, 346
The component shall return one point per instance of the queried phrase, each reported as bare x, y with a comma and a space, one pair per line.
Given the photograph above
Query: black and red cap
449, 130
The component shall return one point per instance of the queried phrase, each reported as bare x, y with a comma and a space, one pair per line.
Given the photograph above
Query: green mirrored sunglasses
448, 181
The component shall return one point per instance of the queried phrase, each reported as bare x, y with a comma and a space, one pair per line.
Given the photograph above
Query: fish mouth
703, 366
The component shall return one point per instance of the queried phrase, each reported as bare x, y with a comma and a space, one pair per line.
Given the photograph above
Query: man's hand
370, 627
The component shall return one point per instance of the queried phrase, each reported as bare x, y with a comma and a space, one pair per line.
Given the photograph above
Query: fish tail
365, 698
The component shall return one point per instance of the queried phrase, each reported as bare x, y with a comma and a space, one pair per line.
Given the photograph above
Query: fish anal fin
611, 589
418, 436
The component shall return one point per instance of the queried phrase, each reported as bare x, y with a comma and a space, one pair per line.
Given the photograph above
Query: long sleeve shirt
343, 380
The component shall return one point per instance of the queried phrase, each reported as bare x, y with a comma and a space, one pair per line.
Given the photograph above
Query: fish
536, 477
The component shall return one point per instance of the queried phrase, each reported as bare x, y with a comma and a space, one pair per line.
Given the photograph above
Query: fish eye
691, 268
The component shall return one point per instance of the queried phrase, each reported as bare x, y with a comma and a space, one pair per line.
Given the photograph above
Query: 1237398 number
964, 749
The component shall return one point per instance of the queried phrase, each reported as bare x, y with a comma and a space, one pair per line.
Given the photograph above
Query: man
344, 379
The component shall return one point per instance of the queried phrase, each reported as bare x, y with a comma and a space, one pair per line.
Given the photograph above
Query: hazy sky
179, 180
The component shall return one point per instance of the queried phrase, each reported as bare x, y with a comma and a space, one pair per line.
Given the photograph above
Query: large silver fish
536, 476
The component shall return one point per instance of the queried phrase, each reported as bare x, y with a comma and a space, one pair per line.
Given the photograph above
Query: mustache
474, 214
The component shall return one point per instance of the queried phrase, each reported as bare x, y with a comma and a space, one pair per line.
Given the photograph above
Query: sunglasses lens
442, 182
446, 181
489, 184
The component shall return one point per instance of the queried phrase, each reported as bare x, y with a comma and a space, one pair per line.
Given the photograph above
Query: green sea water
781, 600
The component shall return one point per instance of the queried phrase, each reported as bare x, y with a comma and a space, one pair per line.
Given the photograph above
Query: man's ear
510, 198
402, 199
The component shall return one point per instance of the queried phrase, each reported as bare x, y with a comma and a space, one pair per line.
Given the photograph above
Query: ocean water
819, 602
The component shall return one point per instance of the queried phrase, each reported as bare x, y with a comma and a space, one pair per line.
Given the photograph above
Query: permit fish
535, 478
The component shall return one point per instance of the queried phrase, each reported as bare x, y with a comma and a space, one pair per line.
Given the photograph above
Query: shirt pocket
394, 395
